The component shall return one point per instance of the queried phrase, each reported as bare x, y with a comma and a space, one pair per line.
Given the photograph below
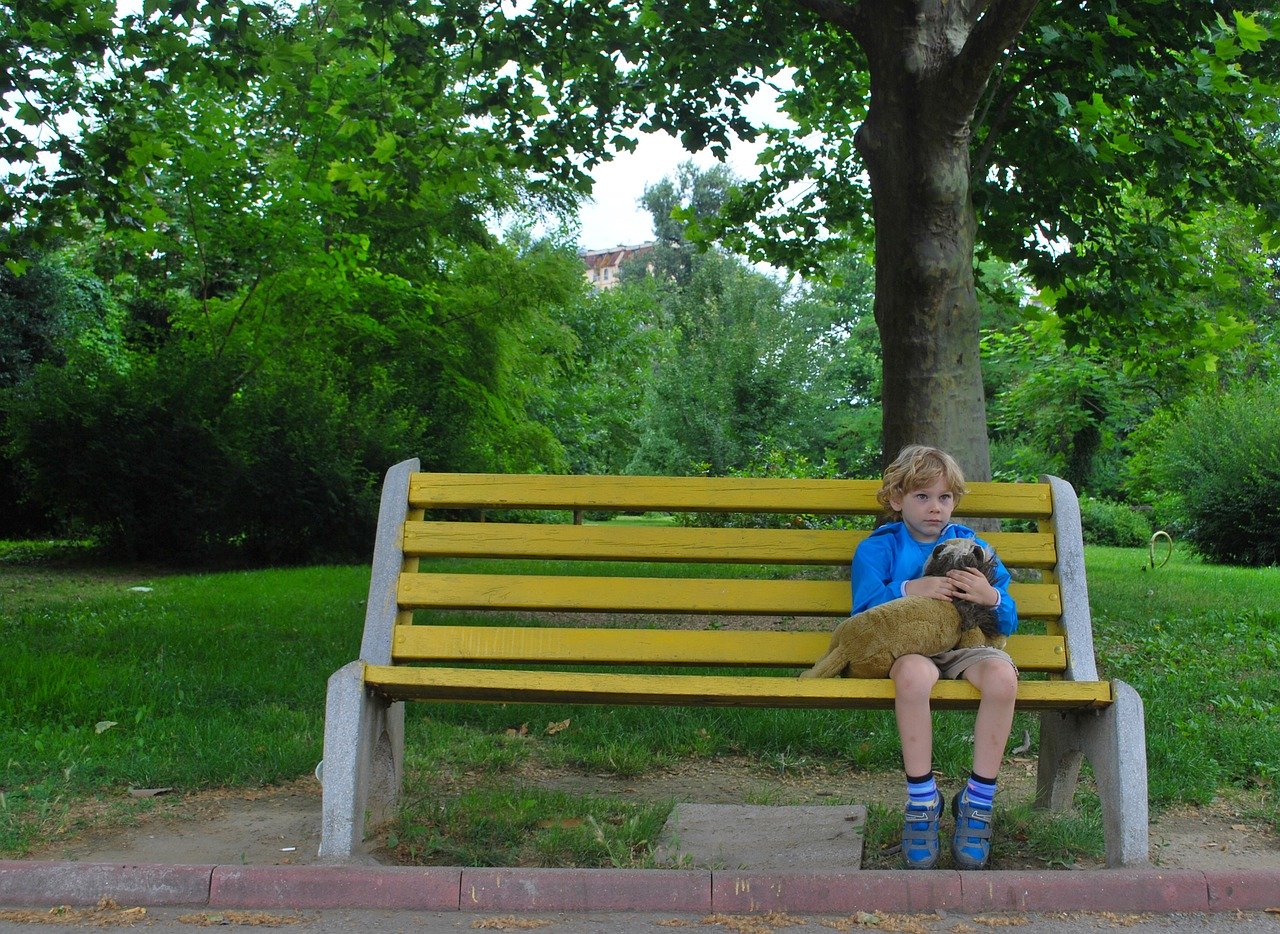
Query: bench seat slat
702, 494
400, 682
678, 544
662, 595
564, 645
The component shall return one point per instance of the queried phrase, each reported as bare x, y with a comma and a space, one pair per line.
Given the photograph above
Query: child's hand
938, 588
972, 585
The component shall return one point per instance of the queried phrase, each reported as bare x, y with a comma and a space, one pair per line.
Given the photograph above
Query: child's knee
999, 681
913, 676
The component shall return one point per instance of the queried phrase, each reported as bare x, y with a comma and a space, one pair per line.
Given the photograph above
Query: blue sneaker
971, 846
920, 835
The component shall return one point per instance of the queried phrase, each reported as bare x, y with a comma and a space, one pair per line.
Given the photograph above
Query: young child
921, 488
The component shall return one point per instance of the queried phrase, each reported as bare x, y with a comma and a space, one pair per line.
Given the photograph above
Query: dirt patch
281, 826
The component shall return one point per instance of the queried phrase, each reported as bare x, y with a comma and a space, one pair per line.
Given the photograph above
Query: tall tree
904, 112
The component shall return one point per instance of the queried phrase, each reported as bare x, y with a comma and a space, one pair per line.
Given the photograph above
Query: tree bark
925, 305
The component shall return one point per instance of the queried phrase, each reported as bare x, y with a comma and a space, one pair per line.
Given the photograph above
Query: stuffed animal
867, 645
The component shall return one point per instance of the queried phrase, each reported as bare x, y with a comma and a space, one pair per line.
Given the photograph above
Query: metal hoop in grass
1164, 536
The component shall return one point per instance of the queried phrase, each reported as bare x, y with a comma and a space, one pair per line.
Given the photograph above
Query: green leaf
29, 113
1252, 33
1095, 109
385, 149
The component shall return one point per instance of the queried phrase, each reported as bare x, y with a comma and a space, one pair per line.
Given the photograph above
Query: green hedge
1215, 471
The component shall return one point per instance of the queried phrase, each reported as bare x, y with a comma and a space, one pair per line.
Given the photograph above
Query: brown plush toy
867, 645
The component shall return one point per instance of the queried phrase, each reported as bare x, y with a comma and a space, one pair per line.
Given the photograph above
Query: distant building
602, 265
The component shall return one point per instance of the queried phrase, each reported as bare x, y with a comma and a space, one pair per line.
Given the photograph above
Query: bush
1215, 469
179, 458
1110, 523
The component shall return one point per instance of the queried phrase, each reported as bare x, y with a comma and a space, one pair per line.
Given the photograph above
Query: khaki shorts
953, 662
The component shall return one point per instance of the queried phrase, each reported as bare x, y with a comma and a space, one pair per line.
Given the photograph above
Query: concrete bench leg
1114, 742
363, 763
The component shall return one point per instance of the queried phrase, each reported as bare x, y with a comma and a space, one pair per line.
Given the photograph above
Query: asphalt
698, 892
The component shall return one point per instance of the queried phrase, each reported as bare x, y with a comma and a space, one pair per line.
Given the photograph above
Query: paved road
190, 921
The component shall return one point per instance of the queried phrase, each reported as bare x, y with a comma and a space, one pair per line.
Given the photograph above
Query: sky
613, 216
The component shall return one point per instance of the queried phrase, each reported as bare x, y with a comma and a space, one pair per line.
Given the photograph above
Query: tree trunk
925, 305
928, 63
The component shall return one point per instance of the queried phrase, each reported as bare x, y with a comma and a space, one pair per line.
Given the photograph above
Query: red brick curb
392, 887
836, 891
1243, 891
38, 883
586, 890
25, 882
1110, 890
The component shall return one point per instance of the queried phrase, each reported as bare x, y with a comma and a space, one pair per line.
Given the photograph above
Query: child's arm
939, 588
871, 574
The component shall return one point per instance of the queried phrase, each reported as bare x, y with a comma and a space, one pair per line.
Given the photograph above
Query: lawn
116, 678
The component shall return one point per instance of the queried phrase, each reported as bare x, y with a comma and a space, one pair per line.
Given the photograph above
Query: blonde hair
916, 467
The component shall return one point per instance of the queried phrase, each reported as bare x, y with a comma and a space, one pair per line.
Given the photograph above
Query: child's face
926, 510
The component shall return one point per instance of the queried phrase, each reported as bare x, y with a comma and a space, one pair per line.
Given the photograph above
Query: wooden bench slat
400, 682
677, 544
588, 645
662, 595
702, 494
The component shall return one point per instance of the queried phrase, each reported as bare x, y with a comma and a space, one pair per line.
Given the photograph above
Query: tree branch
982, 158
838, 13
997, 27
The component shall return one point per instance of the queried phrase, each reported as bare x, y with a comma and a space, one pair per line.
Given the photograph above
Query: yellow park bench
1081, 716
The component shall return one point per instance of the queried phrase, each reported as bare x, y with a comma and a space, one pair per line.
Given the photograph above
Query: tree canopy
1076, 139
1028, 129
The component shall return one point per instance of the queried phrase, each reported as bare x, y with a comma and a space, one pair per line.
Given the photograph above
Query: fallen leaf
239, 919
148, 792
103, 725
1026, 743
521, 730
554, 728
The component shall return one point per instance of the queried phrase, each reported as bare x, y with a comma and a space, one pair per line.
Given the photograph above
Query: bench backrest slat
661, 595
515, 645
683, 545
703, 494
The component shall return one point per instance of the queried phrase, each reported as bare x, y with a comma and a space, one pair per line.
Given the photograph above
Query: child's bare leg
913, 678
998, 682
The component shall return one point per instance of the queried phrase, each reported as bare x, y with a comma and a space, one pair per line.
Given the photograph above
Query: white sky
613, 216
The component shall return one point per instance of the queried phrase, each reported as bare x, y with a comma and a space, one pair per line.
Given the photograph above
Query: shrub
179, 458
1110, 523
1215, 468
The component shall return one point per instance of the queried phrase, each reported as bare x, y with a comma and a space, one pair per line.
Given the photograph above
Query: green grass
1201, 644
217, 680
201, 680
